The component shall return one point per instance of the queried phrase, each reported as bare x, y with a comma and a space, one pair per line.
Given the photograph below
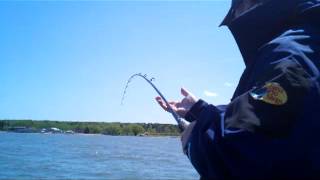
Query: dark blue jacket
271, 128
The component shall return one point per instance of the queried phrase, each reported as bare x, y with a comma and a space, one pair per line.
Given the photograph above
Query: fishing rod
181, 124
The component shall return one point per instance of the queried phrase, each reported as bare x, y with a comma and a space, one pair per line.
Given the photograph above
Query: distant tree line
115, 128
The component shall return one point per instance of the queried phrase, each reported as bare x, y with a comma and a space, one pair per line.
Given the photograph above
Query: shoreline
105, 128
84, 134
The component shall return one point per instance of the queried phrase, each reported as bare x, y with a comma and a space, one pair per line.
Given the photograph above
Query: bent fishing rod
181, 124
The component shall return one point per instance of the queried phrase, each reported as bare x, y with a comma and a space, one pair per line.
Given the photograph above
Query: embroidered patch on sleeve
271, 93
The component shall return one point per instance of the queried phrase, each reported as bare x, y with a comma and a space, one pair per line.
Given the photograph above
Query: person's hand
186, 135
180, 107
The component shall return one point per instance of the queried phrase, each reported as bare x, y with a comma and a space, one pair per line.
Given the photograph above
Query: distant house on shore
55, 130
144, 134
69, 132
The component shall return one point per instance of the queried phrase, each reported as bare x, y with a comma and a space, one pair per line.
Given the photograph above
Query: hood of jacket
267, 20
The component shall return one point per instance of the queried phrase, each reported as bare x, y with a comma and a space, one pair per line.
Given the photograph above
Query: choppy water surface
58, 156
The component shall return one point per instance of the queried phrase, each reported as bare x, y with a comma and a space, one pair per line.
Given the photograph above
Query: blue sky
70, 61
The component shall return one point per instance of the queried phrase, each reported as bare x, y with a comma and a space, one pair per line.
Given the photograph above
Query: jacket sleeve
280, 83
275, 100
268, 109
199, 148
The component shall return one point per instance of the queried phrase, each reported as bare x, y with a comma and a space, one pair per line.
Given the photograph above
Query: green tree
86, 130
94, 129
1, 125
112, 130
137, 129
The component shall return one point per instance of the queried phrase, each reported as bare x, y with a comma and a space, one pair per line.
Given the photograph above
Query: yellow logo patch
271, 93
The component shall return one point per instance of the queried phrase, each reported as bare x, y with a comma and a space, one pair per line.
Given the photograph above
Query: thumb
185, 92
188, 95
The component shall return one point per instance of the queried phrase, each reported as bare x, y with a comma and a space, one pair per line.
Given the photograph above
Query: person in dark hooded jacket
270, 129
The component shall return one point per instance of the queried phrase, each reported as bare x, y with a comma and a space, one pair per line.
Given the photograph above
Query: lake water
58, 156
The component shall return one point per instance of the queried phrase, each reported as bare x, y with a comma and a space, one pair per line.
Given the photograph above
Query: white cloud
210, 94
227, 84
